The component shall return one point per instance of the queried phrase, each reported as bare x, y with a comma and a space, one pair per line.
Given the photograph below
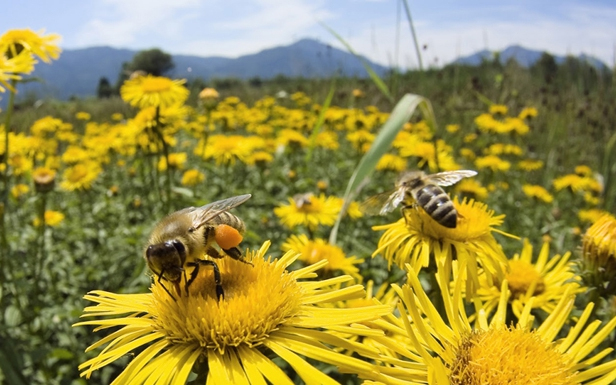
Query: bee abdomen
435, 201
229, 219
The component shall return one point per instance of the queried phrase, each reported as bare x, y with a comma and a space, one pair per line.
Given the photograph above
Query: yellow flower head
450, 350
52, 218
154, 91
498, 109
309, 210
357, 93
82, 115
80, 176
176, 161
16, 41
492, 162
417, 238
528, 112
473, 188
537, 192
229, 149
19, 190
530, 164
208, 94
391, 162
541, 284
292, 138
599, 244
313, 251
192, 177
266, 312
44, 179
12, 68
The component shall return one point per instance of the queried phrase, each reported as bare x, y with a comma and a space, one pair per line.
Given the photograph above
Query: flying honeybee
302, 200
417, 187
183, 238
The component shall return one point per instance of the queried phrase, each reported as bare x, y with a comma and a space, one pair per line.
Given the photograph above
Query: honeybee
418, 188
302, 200
183, 238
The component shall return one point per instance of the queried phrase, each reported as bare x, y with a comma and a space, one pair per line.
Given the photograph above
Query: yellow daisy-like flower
545, 282
260, 158
472, 187
309, 210
577, 183
583, 170
360, 139
528, 112
12, 68
537, 192
591, 215
17, 40
44, 179
154, 91
267, 312
82, 115
117, 116
530, 164
192, 177
391, 162
52, 218
291, 138
450, 350
357, 93
313, 251
229, 149
498, 109
19, 190
208, 94
599, 246
492, 162
452, 128
80, 176
417, 238
176, 161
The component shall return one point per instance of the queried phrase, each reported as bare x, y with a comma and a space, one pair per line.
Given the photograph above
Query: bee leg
236, 254
217, 279
405, 209
213, 253
160, 282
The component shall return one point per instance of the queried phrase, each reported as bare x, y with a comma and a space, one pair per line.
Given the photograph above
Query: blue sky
231, 28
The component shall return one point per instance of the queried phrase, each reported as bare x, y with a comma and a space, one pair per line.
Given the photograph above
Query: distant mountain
525, 57
77, 72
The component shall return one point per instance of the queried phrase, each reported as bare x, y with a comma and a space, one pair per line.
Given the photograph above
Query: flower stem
158, 130
5, 175
41, 236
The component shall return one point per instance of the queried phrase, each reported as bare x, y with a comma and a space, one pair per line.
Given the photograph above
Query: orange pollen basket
227, 236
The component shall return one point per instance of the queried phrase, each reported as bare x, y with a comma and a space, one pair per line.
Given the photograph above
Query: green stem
158, 130
41, 236
408, 16
5, 175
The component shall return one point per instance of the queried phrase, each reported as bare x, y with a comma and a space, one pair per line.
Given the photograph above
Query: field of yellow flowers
520, 291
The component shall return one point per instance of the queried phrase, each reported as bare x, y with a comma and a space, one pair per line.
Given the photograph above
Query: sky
378, 29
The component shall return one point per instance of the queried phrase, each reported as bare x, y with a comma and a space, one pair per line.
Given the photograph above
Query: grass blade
373, 75
400, 115
608, 171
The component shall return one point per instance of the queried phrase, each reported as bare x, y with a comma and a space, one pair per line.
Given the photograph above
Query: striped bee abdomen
435, 201
229, 219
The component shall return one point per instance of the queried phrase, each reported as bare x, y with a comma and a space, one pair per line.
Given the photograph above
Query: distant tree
546, 66
255, 82
104, 89
152, 61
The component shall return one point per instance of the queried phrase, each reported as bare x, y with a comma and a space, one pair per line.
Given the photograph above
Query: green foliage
152, 61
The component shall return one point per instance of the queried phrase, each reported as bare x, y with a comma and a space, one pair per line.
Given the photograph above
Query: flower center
77, 173
156, 84
502, 356
257, 301
522, 275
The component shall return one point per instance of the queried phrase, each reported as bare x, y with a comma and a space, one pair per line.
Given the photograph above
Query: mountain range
77, 72
524, 56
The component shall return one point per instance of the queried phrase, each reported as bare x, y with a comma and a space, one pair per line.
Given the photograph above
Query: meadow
388, 299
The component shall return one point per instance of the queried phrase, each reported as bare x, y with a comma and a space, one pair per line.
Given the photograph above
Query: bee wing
204, 214
382, 203
448, 178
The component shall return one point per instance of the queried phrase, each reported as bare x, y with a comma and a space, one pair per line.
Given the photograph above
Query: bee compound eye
179, 246
149, 250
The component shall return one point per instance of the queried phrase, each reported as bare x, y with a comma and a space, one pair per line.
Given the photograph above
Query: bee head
167, 259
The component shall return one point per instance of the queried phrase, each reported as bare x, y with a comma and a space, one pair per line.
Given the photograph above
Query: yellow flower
599, 246
577, 183
19, 190
208, 94
528, 112
192, 177
492, 162
539, 285
417, 238
12, 68
357, 93
75, 154
52, 218
80, 176
267, 312
328, 140
313, 251
228, 149
530, 164
537, 192
176, 161
468, 153
44, 179
472, 187
591, 215
49, 126
498, 109
82, 115
117, 116
391, 162
452, 128
291, 138
360, 138
44, 47
450, 350
260, 158
583, 170
308, 210
154, 91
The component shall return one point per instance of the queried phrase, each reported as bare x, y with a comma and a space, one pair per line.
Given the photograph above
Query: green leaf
11, 363
373, 75
62, 354
12, 316
400, 115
